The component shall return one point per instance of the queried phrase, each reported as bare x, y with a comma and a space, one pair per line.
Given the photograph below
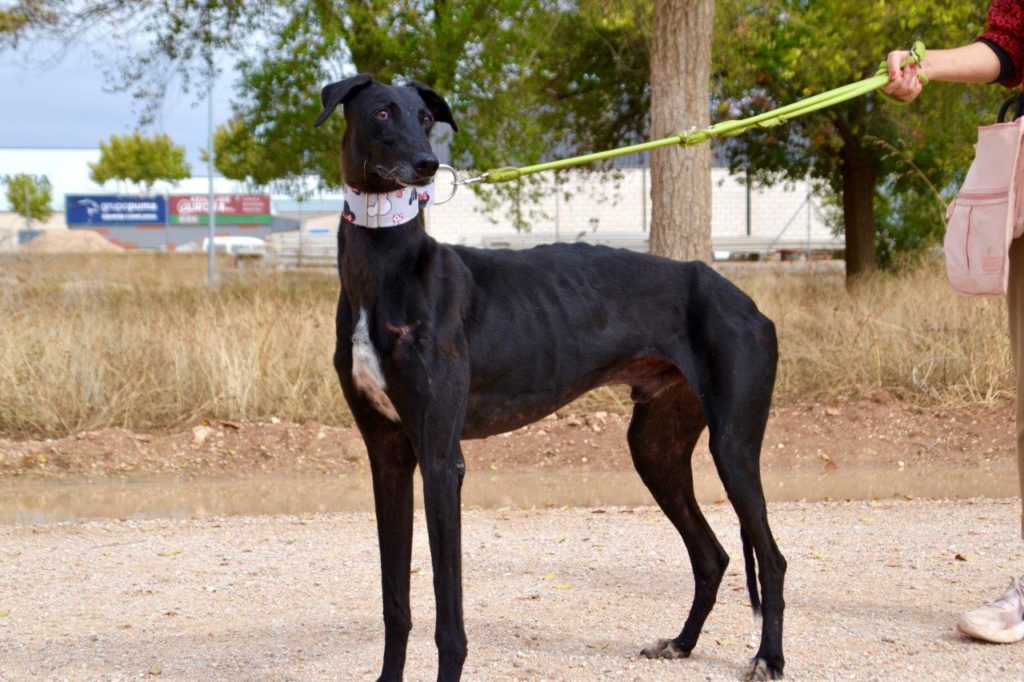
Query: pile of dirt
70, 241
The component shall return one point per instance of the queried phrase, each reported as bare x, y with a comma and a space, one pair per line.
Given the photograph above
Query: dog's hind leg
739, 402
662, 436
737, 461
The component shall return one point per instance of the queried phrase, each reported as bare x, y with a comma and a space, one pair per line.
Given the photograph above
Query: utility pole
749, 221
28, 211
211, 251
558, 209
810, 205
298, 260
645, 167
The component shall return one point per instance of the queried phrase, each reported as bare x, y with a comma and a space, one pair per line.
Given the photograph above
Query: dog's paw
666, 649
763, 670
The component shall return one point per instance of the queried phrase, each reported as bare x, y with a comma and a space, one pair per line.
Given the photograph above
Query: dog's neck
381, 210
372, 262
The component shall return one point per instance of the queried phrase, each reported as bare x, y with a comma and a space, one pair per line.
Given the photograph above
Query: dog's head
387, 134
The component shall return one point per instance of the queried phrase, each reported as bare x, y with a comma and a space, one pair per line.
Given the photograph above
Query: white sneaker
1001, 621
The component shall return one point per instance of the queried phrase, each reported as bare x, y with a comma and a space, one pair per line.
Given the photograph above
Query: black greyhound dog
438, 343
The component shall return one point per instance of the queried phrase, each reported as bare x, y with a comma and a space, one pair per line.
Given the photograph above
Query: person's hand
904, 83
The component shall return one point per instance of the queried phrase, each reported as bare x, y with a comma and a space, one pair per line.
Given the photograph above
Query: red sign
194, 208
230, 209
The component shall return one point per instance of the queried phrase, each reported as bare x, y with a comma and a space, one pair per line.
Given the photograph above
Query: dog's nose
425, 164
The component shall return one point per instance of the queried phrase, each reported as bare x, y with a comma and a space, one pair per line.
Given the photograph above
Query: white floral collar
388, 209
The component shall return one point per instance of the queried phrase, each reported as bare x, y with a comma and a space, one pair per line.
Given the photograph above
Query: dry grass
907, 334
136, 340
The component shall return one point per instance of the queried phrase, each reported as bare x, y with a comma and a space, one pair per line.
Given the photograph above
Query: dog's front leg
442, 485
434, 405
393, 464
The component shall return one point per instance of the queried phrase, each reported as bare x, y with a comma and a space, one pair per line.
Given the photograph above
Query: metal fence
287, 251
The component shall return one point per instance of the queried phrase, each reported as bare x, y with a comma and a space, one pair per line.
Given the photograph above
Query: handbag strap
1017, 99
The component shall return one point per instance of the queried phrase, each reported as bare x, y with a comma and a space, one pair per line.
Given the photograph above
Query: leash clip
456, 182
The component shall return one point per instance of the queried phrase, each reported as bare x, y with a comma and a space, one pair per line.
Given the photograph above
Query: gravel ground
873, 591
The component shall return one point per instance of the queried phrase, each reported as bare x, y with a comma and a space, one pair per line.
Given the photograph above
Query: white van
236, 245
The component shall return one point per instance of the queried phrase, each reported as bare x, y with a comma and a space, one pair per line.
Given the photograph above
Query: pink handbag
988, 212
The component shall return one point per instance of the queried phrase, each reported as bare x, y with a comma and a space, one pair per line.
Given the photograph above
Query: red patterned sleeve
1005, 35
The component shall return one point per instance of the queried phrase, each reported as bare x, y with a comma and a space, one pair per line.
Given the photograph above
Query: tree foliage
140, 159
157, 41
29, 195
22, 16
528, 79
239, 157
531, 80
779, 51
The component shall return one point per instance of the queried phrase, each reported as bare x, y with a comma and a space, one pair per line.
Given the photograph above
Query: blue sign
100, 210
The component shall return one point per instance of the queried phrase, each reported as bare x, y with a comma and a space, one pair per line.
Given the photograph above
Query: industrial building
613, 209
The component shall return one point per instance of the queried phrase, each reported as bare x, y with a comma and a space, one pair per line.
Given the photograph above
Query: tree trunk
859, 179
681, 177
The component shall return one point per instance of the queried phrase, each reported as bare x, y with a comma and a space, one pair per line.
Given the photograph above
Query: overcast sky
65, 105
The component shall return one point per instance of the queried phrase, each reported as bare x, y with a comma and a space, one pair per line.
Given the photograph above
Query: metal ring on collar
455, 184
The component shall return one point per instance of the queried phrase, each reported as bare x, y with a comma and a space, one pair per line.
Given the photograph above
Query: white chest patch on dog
366, 369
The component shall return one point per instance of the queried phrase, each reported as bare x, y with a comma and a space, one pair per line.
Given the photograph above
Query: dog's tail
751, 567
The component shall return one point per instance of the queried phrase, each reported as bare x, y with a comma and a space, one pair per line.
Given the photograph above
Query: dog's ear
340, 93
439, 109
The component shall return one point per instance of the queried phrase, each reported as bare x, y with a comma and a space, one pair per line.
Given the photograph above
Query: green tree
536, 81
139, 159
882, 161
24, 15
181, 36
29, 195
239, 157
528, 80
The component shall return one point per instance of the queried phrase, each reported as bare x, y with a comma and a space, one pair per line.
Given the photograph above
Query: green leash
724, 129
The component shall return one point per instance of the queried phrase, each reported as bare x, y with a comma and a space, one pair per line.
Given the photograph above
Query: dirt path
863, 450
878, 432
873, 591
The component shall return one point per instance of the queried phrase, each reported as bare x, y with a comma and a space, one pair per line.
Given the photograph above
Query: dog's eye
382, 115
428, 120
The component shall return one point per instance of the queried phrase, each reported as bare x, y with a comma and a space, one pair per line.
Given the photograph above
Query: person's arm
974, 63
1004, 34
996, 56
